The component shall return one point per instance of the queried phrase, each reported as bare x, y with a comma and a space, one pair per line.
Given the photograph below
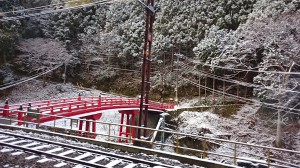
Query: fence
265, 156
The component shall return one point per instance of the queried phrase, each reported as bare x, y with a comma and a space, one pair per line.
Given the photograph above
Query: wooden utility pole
205, 92
213, 93
278, 141
146, 67
223, 92
65, 73
176, 72
199, 87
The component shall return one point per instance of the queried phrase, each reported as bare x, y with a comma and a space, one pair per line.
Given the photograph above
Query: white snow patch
44, 160
6, 150
31, 157
199, 122
60, 164
17, 153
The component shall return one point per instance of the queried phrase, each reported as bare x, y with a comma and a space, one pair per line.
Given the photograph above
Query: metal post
146, 67
71, 126
109, 131
204, 149
54, 124
235, 154
177, 144
38, 119
269, 157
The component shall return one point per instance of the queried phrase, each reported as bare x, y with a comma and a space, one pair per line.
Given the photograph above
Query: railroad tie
18, 142
17, 153
97, 159
131, 165
83, 156
41, 147
6, 150
54, 150
44, 160
60, 165
66, 152
30, 144
8, 139
31, 157
113, 163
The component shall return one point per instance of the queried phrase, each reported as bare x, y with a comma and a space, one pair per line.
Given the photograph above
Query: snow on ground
202, 122
244, 126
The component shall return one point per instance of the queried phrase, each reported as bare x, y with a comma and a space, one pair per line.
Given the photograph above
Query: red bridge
85, 107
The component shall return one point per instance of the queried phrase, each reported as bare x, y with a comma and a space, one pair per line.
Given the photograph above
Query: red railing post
6, 109
79, 97
80, 127
20, 115
99, 101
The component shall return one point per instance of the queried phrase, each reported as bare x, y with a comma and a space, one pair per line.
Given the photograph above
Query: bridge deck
48, 110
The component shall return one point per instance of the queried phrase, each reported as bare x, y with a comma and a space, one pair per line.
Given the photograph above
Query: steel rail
77, 148
69, 159
186, 148
171, 132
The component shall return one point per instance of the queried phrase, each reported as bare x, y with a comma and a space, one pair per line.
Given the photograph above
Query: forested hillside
102, 45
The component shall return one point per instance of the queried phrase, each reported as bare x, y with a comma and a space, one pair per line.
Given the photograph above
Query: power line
13, 82
247, 70
26, 80
39, 7
57, 10
236, 81
246, 99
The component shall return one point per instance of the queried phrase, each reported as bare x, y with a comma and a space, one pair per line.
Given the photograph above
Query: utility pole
65, 73
146, 67
176, 73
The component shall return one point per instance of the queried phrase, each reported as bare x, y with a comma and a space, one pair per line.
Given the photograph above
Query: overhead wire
13, 82
271, 106
188, 69
247, 70
246, 84
56, 10
39, 7
29, 79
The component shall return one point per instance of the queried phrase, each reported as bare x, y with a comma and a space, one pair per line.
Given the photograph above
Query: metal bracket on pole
149, 7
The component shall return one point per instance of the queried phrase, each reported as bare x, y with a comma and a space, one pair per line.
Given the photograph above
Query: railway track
61, 154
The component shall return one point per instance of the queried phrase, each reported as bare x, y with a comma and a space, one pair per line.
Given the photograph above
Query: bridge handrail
66, 104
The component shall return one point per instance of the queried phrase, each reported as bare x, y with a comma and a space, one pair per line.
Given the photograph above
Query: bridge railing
68, 104
234, 151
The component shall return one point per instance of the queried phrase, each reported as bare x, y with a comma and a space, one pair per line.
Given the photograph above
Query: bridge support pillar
129, 131
89, 120
80, 127
87, 129
20, 118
